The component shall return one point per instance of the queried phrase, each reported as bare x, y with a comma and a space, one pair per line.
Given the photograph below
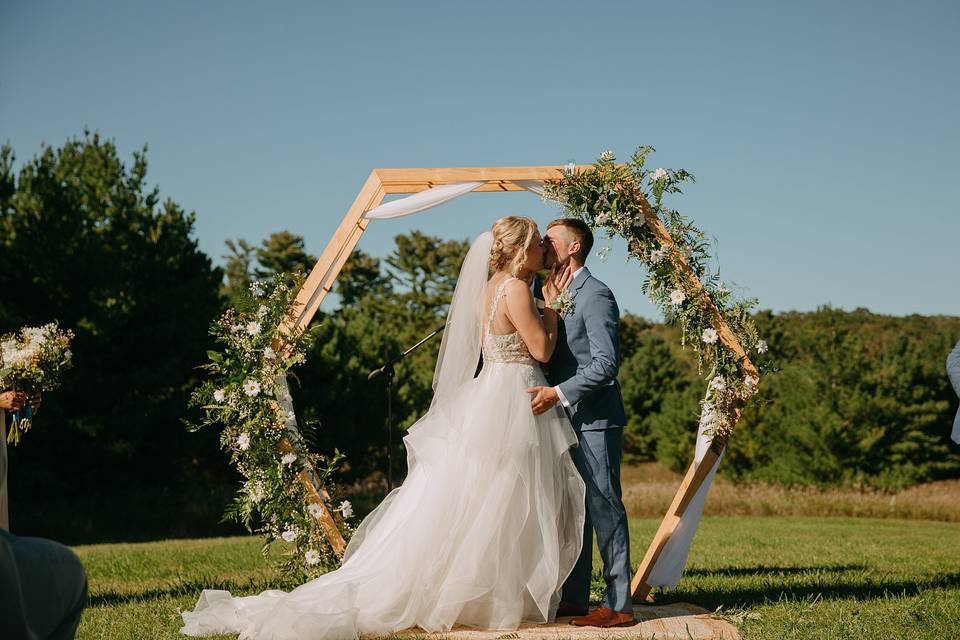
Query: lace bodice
507, 347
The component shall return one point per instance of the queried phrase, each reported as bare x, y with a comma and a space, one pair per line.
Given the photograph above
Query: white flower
762, 346
750, 382
607, 155
251, 388
289, 535
570, 168
722, 288
710, 335
346, 509
219, 395
288, 458
291, 416
312, 557
257, 289
677, 297
658, 255
235, 328
718, 383
262, 311
67, 355
269, 353
243, 442
602, 218
257, 492
315, 510
253, 328
659, 174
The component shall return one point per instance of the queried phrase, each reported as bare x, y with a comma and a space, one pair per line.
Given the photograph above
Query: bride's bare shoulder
517, 289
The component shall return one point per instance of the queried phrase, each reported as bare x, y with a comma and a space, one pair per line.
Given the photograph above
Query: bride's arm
540, 335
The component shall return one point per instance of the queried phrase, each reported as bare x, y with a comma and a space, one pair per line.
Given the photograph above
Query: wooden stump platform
680, 621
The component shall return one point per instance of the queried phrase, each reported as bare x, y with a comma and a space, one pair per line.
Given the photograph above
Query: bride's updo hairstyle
512, 236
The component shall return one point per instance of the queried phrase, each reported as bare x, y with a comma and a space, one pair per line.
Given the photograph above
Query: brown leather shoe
568, 609
604, 617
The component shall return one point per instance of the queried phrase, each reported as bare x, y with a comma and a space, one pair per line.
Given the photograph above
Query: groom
584, 371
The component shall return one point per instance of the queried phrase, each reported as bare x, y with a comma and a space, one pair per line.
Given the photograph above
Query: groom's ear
573, 248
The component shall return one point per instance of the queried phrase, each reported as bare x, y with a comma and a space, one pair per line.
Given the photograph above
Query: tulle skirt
483, 532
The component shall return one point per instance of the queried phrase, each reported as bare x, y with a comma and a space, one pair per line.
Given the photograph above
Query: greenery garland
241, 396
616, 198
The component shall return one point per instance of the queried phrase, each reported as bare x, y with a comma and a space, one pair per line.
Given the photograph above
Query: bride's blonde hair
512, 236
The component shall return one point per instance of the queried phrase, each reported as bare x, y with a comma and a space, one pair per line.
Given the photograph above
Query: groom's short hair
581, 231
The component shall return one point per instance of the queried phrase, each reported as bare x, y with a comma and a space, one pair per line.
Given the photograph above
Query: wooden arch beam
382, 182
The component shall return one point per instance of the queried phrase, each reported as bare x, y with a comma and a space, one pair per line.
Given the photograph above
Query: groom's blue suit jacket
587, 356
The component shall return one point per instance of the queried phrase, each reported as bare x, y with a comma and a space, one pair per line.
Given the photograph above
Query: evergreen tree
282, 252
85, 242
238, 270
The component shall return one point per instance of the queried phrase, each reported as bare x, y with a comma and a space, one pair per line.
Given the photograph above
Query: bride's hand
559, 279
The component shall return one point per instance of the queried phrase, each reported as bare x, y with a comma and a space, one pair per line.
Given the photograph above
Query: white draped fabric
535, 186
669, 567
421, 201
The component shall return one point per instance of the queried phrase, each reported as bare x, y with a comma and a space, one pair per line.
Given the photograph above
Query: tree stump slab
679, 620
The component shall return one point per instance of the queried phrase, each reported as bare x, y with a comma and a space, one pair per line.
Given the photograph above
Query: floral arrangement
627, 200
242, 397
563, 303
32, 360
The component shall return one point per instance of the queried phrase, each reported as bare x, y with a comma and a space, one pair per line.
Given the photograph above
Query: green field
774, 577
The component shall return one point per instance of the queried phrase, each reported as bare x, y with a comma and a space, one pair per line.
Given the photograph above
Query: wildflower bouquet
32, 360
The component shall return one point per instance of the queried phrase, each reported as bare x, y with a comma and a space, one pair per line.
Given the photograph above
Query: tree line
861, 398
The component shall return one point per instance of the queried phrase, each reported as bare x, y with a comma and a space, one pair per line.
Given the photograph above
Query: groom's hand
543, 399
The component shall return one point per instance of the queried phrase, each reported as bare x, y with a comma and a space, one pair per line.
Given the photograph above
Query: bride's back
500, 323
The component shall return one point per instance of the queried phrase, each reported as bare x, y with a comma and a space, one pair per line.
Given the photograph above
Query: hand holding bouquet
32, 361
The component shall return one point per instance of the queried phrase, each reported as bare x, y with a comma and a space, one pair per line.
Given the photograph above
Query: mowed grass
775, 577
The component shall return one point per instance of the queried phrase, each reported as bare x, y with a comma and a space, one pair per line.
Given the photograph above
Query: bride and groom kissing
511, 471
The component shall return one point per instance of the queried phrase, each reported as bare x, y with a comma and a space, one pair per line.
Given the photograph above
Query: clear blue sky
824, 135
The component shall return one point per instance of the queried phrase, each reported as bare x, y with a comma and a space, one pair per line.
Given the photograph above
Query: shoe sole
628, 623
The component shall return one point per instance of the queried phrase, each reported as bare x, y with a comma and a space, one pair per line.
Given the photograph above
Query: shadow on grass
805, 584
183, 588
819, 586
774, 570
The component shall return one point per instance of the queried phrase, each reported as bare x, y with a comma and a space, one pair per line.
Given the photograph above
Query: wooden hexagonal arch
319, 283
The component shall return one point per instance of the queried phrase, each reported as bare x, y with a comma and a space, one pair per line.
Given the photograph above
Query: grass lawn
774, 577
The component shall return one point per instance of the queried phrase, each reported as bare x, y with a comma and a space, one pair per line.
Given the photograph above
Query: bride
489, 521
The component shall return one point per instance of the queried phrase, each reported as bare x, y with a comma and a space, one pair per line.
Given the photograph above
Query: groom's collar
579, 277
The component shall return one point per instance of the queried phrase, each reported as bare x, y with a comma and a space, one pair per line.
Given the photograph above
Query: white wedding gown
483, 532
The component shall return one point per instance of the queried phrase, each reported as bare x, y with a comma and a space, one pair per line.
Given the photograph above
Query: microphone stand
388, 371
